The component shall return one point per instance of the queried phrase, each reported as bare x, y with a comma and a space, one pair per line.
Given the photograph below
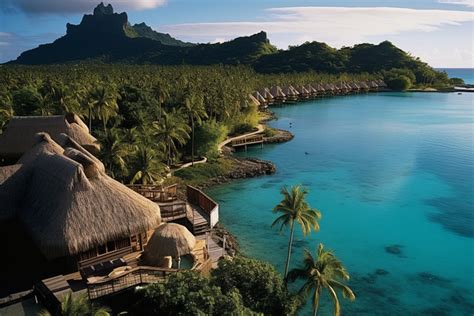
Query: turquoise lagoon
392, 174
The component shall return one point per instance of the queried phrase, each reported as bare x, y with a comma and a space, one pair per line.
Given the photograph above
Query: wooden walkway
260, 129
215, 251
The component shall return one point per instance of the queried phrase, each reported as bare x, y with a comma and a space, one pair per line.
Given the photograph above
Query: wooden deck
247, 141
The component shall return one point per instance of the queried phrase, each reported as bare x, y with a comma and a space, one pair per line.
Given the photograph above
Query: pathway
260, 129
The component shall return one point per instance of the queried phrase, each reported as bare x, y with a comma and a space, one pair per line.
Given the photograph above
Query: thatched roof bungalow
290, 92
265, 92
303, 92
311, 90
69, 206
20, 133
254, 100
381, 83
278, 94
364, 85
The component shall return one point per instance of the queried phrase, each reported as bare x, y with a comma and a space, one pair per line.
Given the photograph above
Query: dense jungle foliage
145, 116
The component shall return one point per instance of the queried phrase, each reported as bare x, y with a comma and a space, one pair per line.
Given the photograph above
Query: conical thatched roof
68, 204
169, 239
254, 100
20, 132
259, 97
265, 92
277, 92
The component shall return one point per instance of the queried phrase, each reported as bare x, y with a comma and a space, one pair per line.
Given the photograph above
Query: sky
440, 32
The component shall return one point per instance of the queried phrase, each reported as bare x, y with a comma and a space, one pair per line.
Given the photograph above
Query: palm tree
326, 272
194, 107
114, 152
147, 167
78, 306
295, 209
172, 131
104, 101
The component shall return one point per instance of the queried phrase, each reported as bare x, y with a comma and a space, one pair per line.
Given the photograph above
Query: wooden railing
248, 140
173, 211
131, 278
156, 193
199, 198
105, 257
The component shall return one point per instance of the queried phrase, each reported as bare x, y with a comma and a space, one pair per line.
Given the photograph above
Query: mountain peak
101, 9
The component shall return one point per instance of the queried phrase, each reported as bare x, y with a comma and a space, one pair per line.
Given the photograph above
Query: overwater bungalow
278, 95
303, 92
19, 135
381, 83
329, 88
254, 101
265, 92
290, 93
312, 90
354, 87
373, 86
263, 102
364, 86
320, 89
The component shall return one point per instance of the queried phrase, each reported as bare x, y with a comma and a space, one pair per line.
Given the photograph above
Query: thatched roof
169, 239
19, 134
259, 97
254, 100
68, 204
302, 90
311, 89
363, 85
277, 92
265, 92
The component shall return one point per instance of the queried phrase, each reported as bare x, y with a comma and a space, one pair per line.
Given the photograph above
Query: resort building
19, 135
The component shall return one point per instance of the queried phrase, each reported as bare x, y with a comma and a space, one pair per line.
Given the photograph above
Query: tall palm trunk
290, 243
316, 302
192, 142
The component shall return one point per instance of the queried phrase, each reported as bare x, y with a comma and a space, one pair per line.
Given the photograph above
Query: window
110, 246
101, 249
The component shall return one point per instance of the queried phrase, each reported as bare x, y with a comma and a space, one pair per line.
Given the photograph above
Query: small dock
247, 141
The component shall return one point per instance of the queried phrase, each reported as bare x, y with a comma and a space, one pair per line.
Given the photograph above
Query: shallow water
392, 174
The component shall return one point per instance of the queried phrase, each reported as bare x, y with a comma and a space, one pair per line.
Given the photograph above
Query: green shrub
188, 293
202, 172
242, 128
400, 83
208, 136
269, 132
456, 81
261, 286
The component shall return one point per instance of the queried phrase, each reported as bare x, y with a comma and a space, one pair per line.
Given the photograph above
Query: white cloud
467, 3
335, 25
76, 6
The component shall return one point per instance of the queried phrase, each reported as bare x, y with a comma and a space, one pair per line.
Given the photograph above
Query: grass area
202, 172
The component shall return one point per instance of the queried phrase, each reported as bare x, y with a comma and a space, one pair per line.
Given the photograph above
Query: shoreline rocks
280, 137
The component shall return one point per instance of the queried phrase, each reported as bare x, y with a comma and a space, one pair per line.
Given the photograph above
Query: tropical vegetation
147, 118
294, 209
323, 272
78, 305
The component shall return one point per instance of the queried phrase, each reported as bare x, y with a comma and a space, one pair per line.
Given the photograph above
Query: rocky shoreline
281, 136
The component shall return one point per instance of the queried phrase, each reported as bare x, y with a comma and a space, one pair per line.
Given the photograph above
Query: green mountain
143, 30
106, 36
